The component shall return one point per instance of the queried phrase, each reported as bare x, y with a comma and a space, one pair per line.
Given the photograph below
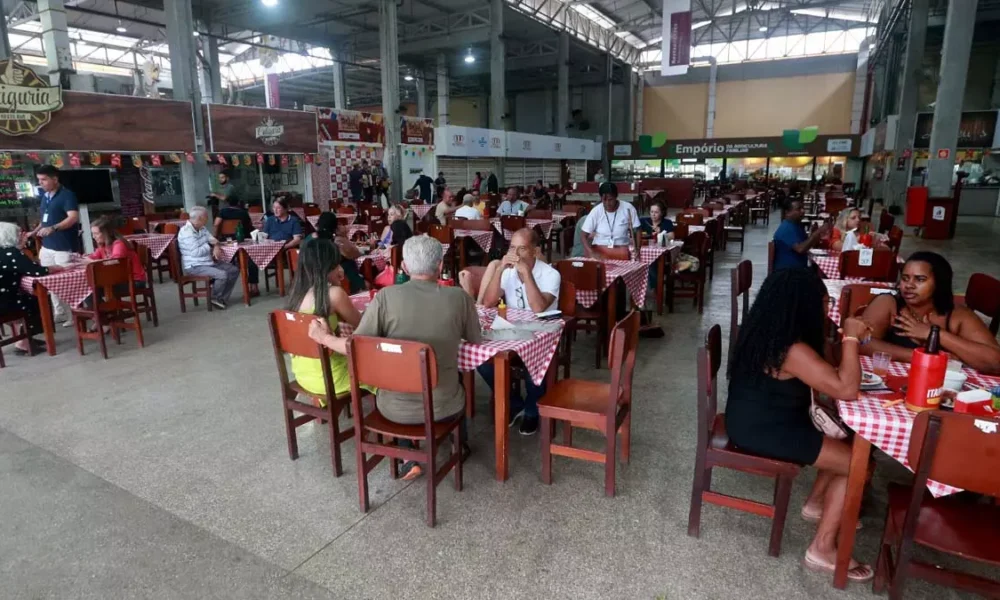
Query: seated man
233, 211
200, 254
468, 211
791, 242
445, 207
479, 203
399, 312
526, 283
511, 204
283, 226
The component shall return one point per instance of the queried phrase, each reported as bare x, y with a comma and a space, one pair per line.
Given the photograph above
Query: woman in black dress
777, 361
13, 266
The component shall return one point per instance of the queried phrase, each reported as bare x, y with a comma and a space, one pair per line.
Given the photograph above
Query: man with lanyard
611, 223
59, 228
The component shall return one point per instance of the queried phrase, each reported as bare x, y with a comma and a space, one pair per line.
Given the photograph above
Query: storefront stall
346, 138
417, 150
554, 160
464, 151
264, 150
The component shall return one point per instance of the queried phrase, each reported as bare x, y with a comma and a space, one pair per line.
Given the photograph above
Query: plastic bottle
240, 234
401, 278
927, 370
502, 310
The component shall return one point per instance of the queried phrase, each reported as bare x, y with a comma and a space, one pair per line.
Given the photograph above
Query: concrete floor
163, 473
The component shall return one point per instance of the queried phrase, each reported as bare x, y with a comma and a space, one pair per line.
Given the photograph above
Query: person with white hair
468, 209
201, 256
400, 312
13, 266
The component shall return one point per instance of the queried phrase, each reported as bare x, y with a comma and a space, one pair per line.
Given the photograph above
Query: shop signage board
348, 126
417, 131
244, 129
759, 147
977, 129
26, 102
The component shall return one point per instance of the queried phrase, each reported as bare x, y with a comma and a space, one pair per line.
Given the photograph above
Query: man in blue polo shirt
59, 227
791, 242
283, 226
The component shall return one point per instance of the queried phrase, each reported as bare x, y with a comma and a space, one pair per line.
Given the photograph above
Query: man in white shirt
611, 223
511, 204
468, 211
200, 255
525, 283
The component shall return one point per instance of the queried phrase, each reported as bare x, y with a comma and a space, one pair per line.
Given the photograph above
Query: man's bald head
525, 237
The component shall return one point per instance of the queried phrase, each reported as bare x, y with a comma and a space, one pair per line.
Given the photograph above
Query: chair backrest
573, 208
621, 357
345, 210
537, 213
140, 224
567, 298
475, 225
983, 294
680, 231
835, 204
377, 223
145, 259
512, 222
697, 244
605, 253
709, 359
311, 210
770, 257
585, 275
255, 210
126, 228
474, 277
955, 449
396, 256
442, 233
228, 228
105, 275
290, 335
292, 256
855, 297
171, 229
392, 365
883, 267
691, 218
895, 239
742, 279
885, 221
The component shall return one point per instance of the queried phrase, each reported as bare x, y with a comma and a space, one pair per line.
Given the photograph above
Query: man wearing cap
611, 223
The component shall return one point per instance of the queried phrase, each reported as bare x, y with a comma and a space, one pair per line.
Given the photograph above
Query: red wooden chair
292, 256
736, 229
854, 298
895, 239
715, 450
883, 267
587, 276
688, 284
742, 279
606, 408
691, 218
12, 319
957, 450
145, 298
408, 367
290, 335
197, 291
760, 210
885, 222
983, 295
108, 306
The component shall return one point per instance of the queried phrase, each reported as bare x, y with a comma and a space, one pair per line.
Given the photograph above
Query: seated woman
657, 221
397, 231
777, 359
110, 244
317, 291
329, 227
902, 321
13, 266
844, 236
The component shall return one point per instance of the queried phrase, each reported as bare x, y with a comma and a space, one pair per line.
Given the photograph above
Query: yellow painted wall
756, 107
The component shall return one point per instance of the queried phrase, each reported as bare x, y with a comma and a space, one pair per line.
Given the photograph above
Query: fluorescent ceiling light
631, 38
195, 33
700, 24
269, 3
408, 77
832, 14
762, 28
469, 58
120, 28
594, 15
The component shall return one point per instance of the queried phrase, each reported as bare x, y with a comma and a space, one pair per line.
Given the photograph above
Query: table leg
860, 453
659, 282
48, 325
501, 406
280, 264
244, 275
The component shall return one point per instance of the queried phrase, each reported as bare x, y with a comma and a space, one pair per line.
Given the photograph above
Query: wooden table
262, 254
70, 286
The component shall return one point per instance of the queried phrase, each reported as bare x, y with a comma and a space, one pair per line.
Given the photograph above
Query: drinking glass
880, 364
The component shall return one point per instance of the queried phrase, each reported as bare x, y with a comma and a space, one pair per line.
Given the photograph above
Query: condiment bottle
927, 370
502, 310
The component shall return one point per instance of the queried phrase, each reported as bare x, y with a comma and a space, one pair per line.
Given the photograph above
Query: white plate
870, 380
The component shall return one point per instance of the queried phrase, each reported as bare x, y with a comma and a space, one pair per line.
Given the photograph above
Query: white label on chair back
577, 264
879, 291
393, 348
986, 426
111, 262
865, 256
290, 316
938, 213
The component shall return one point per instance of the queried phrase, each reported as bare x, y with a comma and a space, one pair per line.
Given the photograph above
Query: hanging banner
977, 129
417, 131
349, 126
272, 89
676, 45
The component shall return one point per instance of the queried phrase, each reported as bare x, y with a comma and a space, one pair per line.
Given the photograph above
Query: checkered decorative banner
341, 160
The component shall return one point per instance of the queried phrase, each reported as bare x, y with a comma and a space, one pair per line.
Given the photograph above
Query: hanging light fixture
469, 58
408, 77
269, 3
121, 27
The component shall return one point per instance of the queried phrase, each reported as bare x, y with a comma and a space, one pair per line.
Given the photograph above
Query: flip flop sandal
415, 471
813, 517
859, 573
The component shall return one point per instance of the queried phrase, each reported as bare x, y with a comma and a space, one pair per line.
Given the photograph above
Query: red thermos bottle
927, 370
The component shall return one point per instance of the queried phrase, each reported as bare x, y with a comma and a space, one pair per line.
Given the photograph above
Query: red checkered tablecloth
421, 210
889, 429
835, 286
70, 286
828, 262
536, 353
558, 216
261, 253
649, 254
483, 238
345, 219
352, 229
156, 242
544, 224
634, 273
377, 258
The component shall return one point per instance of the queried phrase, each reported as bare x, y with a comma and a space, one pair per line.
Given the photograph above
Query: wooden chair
715, 450
567, 305
687, 284
606, 408
681, 231
227, 229
312, 210
139, 224
255, 210
12, 319
855, 297
163, 265
957, 450
290, 335
885, 222
883, 267
895, 239
145, 298
204, 291
442, 233
983, 295
736, 229
126, 228
587, 276
835, 204
292, 256
108, 306
408, 367
689, 218
536, 213
742, 279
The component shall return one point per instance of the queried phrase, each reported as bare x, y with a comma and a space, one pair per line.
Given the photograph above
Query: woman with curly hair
777, 361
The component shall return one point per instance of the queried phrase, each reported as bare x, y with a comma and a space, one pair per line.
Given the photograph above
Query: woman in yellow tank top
317, 291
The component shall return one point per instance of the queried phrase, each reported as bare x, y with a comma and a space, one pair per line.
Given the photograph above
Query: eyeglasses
521, 303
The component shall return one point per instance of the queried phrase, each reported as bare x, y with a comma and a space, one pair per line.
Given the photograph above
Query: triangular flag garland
284, 160
136, 161
222, 159
247, 160
208, 157
34, 156
309, 159
270, 160
116, 160
174, 158
189, 156
74, 160
234, 160
298, 160
95, 158
156, 160
260, 158
6, 160
56, 160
